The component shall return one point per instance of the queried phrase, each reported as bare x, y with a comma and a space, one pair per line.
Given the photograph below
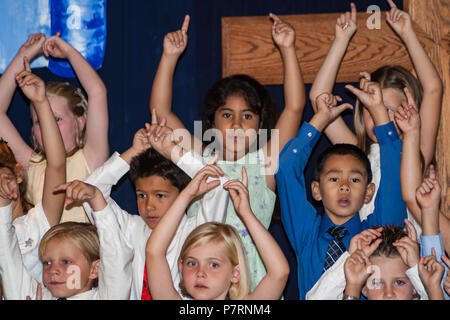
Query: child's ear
315, 190
236, 276
94, 269
18, 172
81, 121
370, 190
180, 265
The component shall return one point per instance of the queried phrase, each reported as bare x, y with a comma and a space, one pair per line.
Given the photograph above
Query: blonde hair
8, 160
227, 239
395, 77
83, 235
77, 104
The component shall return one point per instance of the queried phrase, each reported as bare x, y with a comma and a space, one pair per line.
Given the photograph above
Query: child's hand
56, 47
428, 195
407, 117
38, 293
447, 278
356, 269
369, 93
198, 185
408, 247
327, 109
33, 46
141, 141
239, 194
32, 86
176, 42
431, 271
9, 189
80, 191
283, 34
366, 241
399, 20
346, 24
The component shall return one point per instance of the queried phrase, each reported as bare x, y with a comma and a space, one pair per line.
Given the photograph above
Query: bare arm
55, 171
430, 108
31, 48
294, 89
174, 45
96, 149
337, 131
271, 286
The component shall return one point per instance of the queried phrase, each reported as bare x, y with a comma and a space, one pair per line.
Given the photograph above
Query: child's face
392, 99
390, 281
207, 272
68, 124
66, 271
154, 195
342, 188
238, 124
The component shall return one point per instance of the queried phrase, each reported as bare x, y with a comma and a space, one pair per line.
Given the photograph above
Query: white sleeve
105, 177
116, 256
413, 275
17, 281
331, 284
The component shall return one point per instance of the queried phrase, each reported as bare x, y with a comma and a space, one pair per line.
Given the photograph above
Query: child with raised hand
238, 107
212, 261
385, 269
412, 177
395, 83
30, 223
84, 130
343, 184
80, 261
157, 181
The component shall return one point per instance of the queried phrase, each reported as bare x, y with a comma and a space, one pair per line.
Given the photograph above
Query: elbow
434, 87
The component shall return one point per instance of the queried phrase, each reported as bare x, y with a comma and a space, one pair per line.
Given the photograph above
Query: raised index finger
353, 11
185, 26
392, 4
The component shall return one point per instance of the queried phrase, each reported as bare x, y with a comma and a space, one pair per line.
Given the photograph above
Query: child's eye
247, 116
214, 265
160, 196
141, 196
58, 119
191, 263
377, 284
65, 261
334, 179
399, 282
226, 115
46, 263
355, 180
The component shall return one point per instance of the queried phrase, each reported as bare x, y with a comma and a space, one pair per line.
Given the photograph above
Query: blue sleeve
434, 241
389, 205
297, 214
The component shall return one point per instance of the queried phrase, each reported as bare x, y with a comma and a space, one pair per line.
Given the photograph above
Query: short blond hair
83, 235
227, 239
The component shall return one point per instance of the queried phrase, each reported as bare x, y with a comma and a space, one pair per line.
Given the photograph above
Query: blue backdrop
135, 30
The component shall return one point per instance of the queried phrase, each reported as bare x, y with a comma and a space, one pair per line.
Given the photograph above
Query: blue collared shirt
305, 228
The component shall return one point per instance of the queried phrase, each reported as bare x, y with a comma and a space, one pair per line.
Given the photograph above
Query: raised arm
174, 45
96, 149
55, 171
30, 49
430, 108
271, 286
337, 131
158, 269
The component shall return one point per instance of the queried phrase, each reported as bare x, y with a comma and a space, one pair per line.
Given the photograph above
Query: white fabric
135, 231
114, 271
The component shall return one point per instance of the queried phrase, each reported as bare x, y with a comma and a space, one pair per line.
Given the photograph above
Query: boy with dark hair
343, 184
158, 182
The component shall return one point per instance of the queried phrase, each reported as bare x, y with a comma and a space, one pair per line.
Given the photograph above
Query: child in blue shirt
343, 184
